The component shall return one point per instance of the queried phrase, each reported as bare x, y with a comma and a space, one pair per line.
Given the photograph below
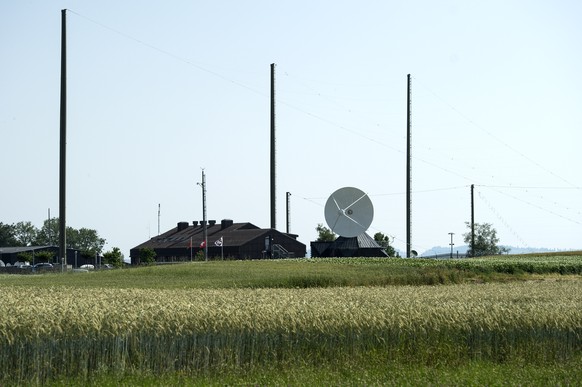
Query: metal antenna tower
288, 212
408, 167
472, 220
204, 227
63, 144
273, 143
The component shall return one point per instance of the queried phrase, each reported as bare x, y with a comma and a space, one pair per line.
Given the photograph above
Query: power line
539, 207
312, 199
280, 101
171, 55
501, 219
530, 187
473, 123
539, 188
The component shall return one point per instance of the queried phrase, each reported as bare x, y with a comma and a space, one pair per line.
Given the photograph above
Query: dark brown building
226, 240
361, 246
10, 255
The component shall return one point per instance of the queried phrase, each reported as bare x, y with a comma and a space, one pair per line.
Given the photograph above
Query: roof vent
194, 223
226, 223
212, 222
182, 226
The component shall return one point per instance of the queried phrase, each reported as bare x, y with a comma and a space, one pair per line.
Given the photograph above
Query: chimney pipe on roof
212, 222
194, 223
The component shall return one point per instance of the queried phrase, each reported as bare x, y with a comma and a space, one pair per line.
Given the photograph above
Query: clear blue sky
157, 91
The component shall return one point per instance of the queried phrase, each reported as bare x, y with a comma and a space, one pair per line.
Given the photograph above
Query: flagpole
190, 249
222, 249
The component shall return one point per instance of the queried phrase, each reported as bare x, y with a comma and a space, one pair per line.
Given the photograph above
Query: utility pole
273, 144
49, 228
408, 167
63, 145
159, 211
472, 220
204, 228
288, 212
452, 244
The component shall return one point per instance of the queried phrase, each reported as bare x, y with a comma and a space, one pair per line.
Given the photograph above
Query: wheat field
57, 332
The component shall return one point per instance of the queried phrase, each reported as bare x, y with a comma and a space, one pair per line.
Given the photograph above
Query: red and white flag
203, 244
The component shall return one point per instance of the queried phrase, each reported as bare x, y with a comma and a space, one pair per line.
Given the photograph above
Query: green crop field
353, 321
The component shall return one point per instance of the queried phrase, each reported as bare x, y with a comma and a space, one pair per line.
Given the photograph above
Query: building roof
362, 241
21, 249
361, 245
232, 234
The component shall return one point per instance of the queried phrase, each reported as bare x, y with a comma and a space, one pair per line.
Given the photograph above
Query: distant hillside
462, 250
528, 250
440, 251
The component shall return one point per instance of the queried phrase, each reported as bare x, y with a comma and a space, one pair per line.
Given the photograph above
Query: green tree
44, 256
25, 233
7, 235
86, 240
324, 234
25, 256
48, 235
384, 241
147, 256
113, 257
486, 240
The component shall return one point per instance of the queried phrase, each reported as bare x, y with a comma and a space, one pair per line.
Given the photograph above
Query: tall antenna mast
273, 173
49, 227
204, 227
288, 212
472, 220
159, 210
408, 167
63, 144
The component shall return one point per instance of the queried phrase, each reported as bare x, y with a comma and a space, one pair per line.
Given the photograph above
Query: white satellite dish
349, 212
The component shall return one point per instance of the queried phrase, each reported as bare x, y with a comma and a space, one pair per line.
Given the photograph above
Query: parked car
43, 265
